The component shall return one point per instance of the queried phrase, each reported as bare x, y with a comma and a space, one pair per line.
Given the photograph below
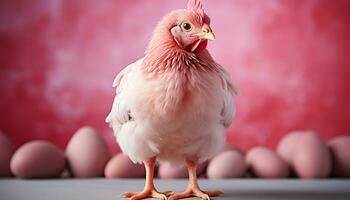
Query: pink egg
6, 151
38, 159
227, 164
286, 146
340, 149
265, 163
228, 147
120, 166
167, 171
87, 153
311, 158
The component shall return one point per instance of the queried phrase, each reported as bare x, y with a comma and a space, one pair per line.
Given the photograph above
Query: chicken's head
187, 29
191, 30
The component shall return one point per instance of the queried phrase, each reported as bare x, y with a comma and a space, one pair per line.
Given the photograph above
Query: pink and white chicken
174, 104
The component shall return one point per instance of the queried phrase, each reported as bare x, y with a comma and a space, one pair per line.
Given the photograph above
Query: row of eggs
300, 153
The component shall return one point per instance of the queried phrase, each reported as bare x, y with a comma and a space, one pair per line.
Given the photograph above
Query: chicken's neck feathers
167, 58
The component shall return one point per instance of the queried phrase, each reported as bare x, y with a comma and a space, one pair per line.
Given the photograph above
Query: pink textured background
58, 59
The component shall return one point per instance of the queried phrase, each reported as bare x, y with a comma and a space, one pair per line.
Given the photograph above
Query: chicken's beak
206, 34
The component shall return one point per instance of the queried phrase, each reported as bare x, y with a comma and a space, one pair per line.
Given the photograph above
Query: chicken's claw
195, 192
145, 194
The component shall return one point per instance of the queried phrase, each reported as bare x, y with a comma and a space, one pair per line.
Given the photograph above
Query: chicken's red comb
197, 7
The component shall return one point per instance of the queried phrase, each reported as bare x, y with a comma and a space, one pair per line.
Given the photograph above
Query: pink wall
58, 60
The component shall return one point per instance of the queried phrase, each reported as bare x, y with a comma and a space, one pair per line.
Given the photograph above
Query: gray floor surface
237, 189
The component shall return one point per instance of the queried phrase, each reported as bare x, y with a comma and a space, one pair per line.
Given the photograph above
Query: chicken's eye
187, 26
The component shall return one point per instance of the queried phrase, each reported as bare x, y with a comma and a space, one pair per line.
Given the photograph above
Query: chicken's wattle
199, 45
202, 46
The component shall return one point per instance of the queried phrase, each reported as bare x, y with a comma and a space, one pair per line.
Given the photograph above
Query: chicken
174, 104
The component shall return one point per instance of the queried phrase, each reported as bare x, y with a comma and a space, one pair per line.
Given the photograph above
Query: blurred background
58, 59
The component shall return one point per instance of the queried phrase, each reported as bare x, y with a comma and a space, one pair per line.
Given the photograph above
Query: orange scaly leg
149, 189
193, 189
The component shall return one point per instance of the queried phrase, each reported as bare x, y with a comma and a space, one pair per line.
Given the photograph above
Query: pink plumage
175, 103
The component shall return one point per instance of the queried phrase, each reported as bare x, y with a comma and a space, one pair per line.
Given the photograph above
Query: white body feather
171, 117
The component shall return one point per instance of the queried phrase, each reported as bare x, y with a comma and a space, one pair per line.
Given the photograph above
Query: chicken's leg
193, 189
149, 190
